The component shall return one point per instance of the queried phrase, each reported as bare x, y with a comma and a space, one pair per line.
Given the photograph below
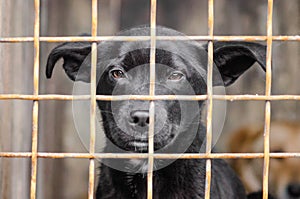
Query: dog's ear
74, 55
234, 58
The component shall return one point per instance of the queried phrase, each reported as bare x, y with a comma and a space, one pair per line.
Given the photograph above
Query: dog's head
181, 66
284, 175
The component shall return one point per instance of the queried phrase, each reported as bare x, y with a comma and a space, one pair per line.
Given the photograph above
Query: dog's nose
293, 190
139, 118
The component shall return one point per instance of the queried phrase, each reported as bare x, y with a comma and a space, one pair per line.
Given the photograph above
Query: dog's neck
175, 175
134, 184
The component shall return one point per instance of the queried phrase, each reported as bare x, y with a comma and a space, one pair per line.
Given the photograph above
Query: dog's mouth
137, 141
142, 145
138, 145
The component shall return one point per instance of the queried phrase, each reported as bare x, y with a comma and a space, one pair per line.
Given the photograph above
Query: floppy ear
74, 55
234, 58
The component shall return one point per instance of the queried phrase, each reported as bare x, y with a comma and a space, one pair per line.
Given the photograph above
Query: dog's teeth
140, 144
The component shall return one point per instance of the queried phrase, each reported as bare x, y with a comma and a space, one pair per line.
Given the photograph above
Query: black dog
181, 67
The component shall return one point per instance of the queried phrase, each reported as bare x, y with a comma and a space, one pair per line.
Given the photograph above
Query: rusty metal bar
268, 103
92, 122
150, 151
266, 149
145, 155
256, 97
35, 108
150, 98
34, 149
93, 85
143, 38
151, 93
210, 64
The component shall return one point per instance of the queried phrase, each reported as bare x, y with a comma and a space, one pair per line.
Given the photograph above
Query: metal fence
209, 97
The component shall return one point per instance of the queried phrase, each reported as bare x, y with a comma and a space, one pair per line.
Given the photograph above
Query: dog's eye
176, 76
117, 74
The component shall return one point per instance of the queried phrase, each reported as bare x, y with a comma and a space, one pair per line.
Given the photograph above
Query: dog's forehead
185, 49
183, 52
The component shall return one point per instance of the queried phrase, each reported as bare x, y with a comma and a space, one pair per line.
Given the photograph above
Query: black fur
258, 195
123, 69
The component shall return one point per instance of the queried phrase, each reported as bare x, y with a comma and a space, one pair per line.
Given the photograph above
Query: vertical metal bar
152, 105
150, 152
35, 109
266, 149
268, 103
209, 96
93, 100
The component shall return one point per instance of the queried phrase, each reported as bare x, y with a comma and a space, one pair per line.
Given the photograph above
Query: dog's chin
127, 142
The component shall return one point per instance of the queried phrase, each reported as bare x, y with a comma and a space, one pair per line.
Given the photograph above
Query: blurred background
68, 178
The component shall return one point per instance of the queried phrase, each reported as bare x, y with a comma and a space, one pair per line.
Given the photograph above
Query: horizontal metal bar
102, 97
147, 97
256, 97
145, 155
147, 38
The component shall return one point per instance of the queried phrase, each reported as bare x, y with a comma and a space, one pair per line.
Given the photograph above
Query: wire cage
34, 155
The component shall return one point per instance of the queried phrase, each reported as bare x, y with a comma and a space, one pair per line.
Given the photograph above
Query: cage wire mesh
209, 97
